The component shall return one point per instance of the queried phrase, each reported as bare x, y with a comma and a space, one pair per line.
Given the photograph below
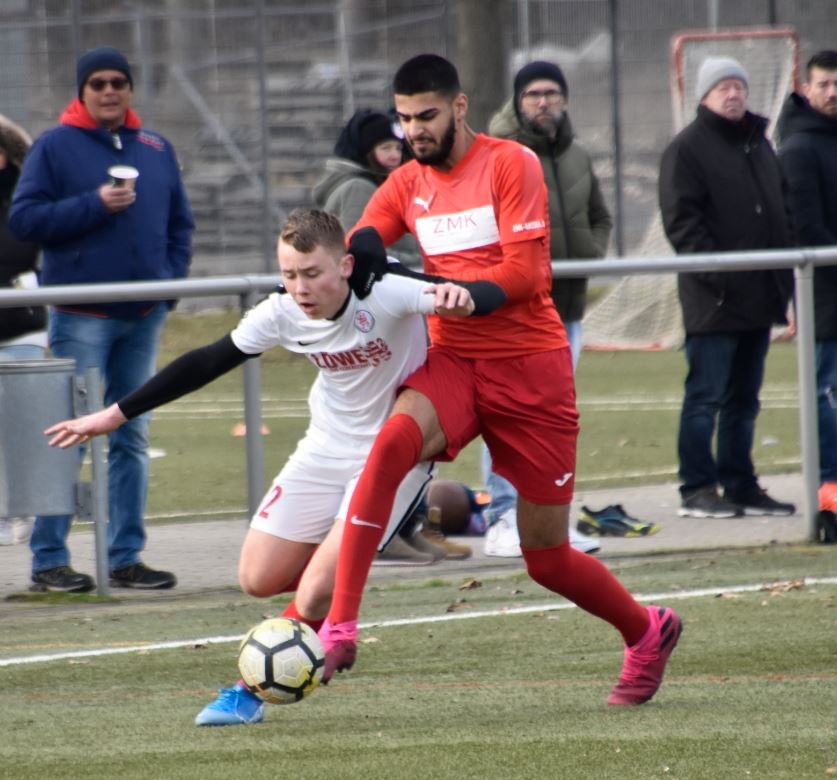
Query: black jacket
721, 190
808, 153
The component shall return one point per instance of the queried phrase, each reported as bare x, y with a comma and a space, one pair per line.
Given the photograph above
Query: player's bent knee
261, 587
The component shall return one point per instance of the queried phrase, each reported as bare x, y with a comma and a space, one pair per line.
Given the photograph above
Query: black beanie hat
101, 58
362, 132
377, 128
539, 69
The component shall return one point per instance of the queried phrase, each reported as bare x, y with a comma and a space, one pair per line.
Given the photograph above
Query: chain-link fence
253, 92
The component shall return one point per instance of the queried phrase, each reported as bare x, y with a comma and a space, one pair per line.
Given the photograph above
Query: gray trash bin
36, 479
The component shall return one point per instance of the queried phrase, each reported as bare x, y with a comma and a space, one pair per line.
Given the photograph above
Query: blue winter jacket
57, 205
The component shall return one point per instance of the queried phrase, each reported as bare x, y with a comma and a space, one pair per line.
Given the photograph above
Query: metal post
253, 423
524, 32
268, 226
808, 432
619, 216
90, 398
344, 56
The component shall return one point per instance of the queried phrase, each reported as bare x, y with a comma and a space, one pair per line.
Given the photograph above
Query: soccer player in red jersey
478, 207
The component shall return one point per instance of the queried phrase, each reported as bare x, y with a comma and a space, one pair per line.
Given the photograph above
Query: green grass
749, 693
629, 404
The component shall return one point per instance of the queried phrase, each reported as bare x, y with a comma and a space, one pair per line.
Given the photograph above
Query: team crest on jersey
364, 321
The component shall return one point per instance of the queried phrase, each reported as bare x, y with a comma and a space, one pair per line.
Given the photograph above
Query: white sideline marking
551, 607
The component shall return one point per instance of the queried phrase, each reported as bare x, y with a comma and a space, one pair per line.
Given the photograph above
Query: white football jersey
362, 356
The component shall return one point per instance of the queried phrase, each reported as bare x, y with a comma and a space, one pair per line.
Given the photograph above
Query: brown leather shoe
432, 533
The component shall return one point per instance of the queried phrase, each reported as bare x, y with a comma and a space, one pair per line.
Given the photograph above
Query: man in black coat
808, 153
721, 190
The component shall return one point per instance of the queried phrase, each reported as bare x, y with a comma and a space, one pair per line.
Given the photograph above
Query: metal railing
249, 287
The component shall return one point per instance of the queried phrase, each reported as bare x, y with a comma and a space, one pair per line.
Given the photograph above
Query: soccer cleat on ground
140, 576
339, 641
341, 656
757, 502
645, 662
61, 579
234, 706
613, 521
707, 503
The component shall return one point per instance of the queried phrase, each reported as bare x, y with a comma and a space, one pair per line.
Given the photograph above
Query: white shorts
314, 489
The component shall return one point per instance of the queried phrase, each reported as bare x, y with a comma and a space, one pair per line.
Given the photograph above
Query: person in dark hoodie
370, 146
721, 190
22, 329
807, 133
90, 230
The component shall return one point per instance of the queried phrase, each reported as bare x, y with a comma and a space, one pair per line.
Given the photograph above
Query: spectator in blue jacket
93, 230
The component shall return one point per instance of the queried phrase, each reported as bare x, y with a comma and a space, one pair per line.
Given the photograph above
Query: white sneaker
582, 542
22, 529
6, 531
502, 539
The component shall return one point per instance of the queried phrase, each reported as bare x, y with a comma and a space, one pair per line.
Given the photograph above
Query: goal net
642, 311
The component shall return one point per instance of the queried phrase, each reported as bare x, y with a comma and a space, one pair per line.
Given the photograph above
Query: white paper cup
123, 176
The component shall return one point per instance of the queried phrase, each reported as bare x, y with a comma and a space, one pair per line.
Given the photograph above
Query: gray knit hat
715, 69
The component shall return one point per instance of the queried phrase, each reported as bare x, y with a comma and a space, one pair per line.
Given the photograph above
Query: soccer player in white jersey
364, 348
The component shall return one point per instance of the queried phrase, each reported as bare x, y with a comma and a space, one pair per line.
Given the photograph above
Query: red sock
396, 450
292, 612
589, 584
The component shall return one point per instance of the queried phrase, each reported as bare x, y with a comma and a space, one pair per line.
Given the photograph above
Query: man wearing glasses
94, 227
579, 226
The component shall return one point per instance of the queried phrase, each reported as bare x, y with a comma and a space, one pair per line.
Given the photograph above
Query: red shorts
523, 407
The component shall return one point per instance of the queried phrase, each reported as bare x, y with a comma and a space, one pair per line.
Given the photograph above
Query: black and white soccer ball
281, 660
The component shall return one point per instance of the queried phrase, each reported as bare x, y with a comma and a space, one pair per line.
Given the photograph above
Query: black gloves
370, 260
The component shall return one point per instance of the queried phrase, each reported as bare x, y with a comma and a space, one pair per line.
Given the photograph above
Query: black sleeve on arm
183, 375
487, 296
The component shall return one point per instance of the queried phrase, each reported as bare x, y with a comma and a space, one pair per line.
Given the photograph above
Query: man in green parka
580, 224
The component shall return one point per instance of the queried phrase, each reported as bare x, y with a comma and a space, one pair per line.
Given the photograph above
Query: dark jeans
725, 375
125, 352
826, 413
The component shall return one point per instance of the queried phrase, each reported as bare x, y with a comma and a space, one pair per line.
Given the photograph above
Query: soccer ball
281, 660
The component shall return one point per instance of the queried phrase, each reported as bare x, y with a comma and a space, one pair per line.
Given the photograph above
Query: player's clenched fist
451, 300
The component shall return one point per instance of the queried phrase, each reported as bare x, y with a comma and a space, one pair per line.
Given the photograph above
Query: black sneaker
757, 502
62, 579
707, 503
138, 575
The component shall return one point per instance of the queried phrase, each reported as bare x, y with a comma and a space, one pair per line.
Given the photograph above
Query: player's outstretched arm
458, 299
371, 263
183, 375
69, 432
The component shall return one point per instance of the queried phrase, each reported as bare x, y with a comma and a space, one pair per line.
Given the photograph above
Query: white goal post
642, 312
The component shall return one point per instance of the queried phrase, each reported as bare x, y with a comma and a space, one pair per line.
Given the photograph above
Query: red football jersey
484, 219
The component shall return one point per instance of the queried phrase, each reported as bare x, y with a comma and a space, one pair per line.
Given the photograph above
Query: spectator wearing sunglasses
93, 229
